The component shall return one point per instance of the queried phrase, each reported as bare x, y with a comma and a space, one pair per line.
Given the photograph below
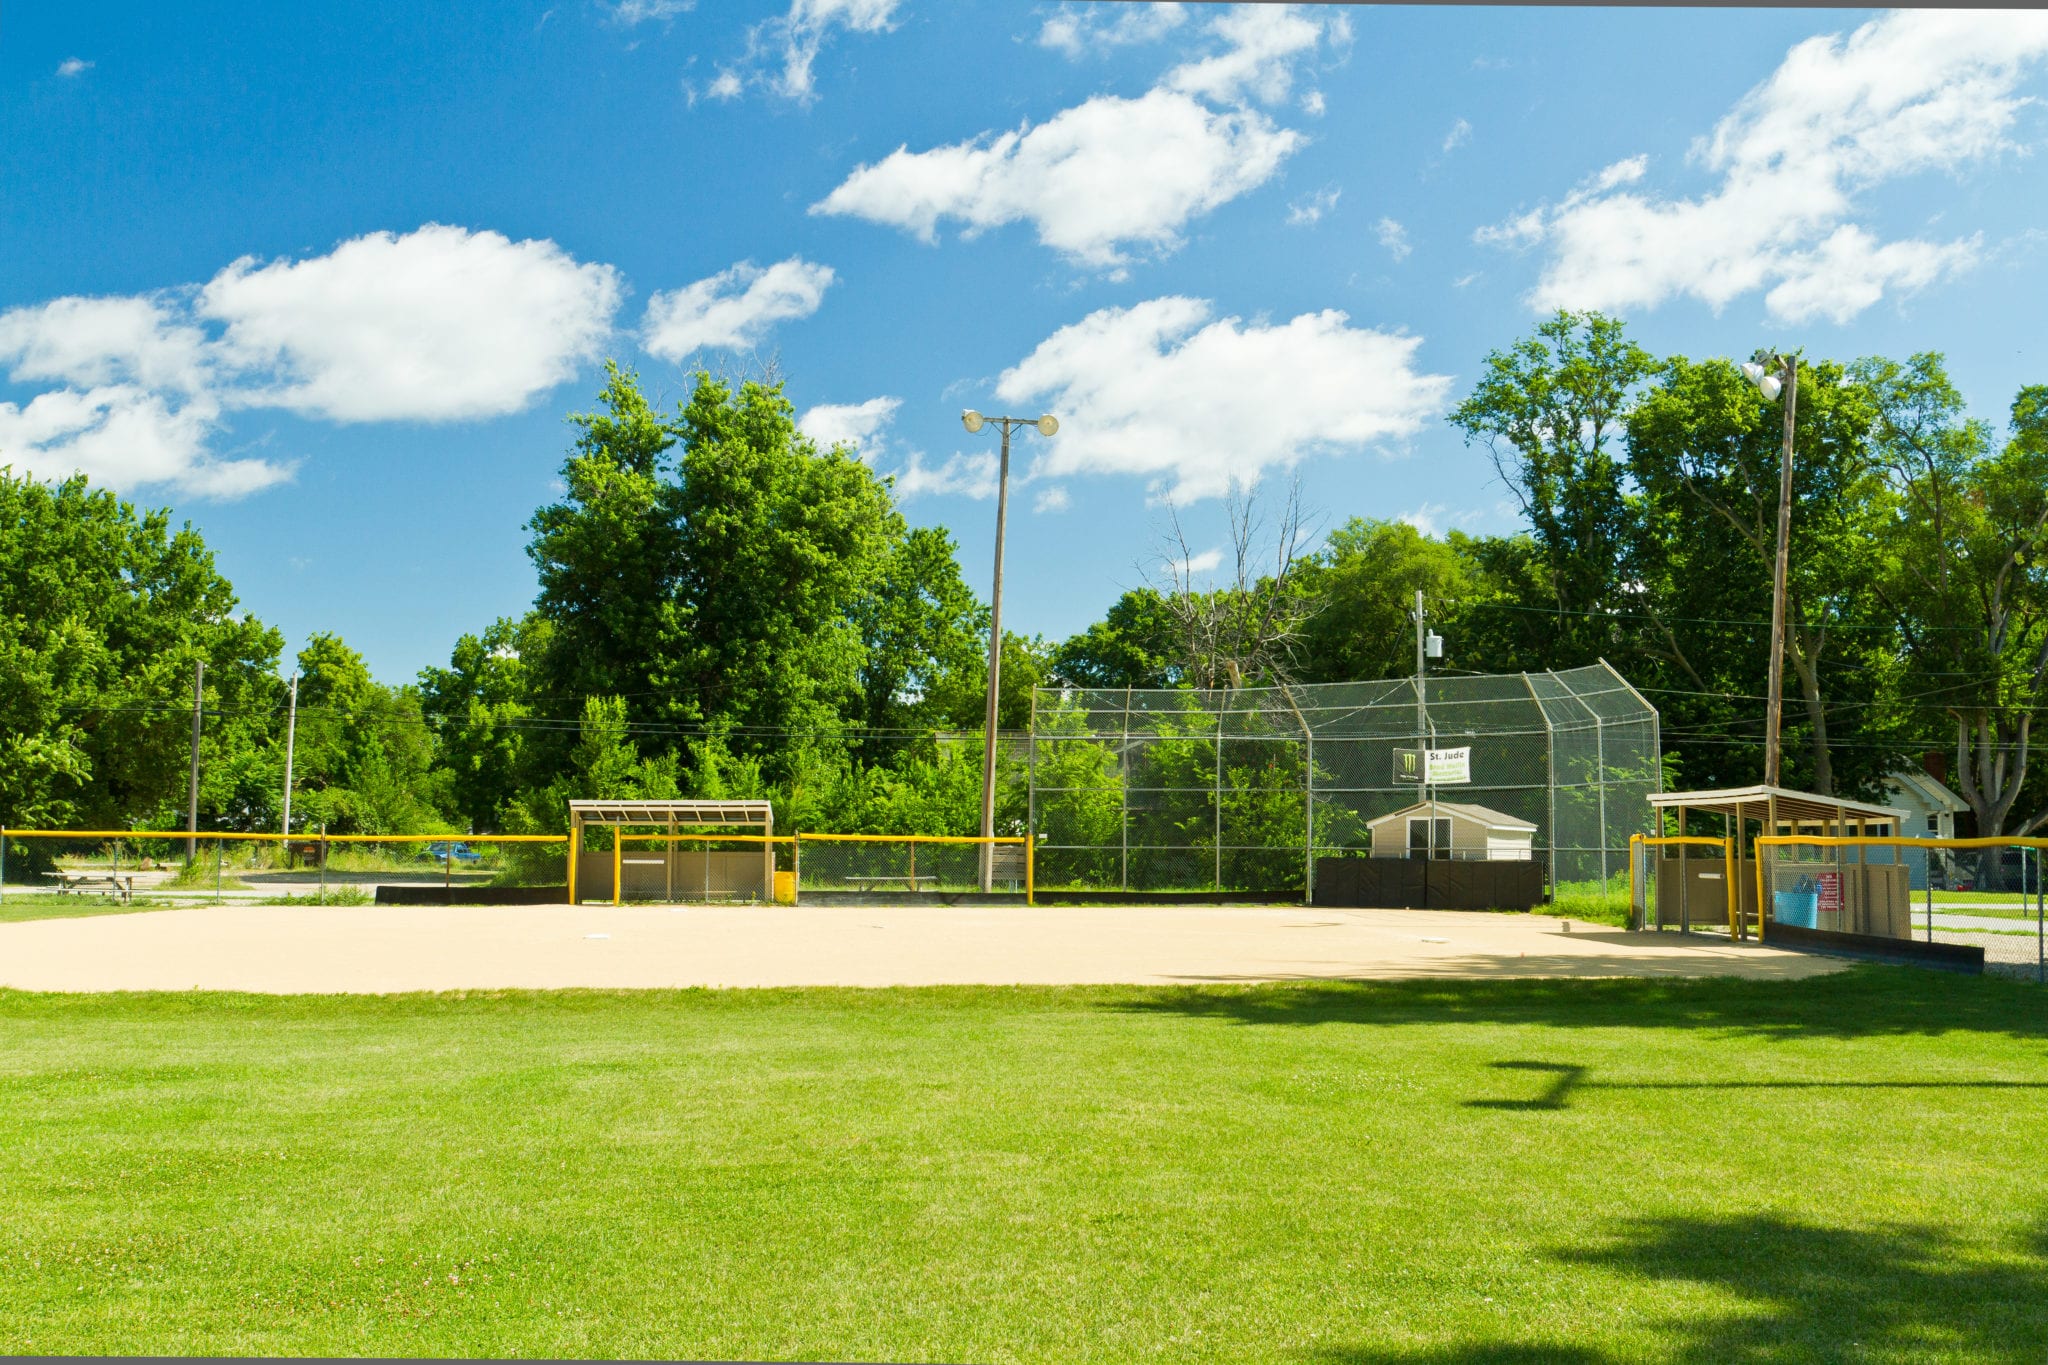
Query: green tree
1969, 589
479, 706
1131, 646
1364, 580
104, 612
1550, 412
1705, 449
366, 761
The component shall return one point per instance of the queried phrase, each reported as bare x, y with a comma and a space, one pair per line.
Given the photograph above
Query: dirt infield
376, 949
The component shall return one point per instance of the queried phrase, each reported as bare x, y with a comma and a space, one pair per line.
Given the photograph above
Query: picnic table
72, 883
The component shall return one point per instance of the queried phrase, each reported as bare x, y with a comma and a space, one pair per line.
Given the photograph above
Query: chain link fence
1241, 790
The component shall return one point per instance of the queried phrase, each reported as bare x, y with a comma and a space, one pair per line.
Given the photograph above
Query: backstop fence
1243, 789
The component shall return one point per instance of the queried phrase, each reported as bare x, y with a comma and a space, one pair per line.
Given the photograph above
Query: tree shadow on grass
1806, 1293
1862, 1002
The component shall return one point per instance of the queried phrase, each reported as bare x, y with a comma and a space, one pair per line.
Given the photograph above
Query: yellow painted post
1762, 907
618, 864
1635, 843
1734, 892
1030, 869
574, 827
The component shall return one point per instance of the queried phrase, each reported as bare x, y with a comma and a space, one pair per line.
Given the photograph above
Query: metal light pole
291, 730
974, 422
192, 797
1785, 382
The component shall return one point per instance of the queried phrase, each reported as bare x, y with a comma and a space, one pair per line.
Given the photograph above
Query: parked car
461, 853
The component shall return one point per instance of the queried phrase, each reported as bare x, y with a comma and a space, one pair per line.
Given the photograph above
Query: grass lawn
1961, 899
1845, 1168
17, 908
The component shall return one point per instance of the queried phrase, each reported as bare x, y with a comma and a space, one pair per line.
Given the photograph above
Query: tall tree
1705, 448
1364, 580
1550, 411
1970, 586
104, 611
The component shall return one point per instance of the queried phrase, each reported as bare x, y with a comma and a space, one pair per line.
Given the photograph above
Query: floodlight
1753, 371
1770, 385
1048, 424
972, 420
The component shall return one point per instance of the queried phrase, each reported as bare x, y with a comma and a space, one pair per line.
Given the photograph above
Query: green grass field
1845, 1168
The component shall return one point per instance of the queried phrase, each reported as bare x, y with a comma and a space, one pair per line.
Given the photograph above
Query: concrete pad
377, 949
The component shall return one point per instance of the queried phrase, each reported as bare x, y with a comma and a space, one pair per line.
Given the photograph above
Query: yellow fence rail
620, 839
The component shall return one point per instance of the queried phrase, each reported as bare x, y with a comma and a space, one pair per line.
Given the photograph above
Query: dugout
1848, 890
671, 851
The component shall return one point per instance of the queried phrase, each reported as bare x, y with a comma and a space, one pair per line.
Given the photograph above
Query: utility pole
291, 730
974, 422
192, 798
1788, 379
1421, 703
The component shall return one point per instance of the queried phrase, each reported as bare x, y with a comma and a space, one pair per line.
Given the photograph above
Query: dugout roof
1780, 805
682, 814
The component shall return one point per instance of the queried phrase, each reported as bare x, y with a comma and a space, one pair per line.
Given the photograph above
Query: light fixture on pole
1776, 375
974, 422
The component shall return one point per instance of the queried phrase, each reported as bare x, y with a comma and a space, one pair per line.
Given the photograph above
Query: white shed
1452, 830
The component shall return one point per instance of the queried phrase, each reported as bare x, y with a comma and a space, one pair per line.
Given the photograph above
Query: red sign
1830, 893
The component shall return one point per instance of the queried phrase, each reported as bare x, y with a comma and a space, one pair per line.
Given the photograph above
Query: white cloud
439, 324
73, 66
1052, 498
782, 52
1466, 280
1309, 210
630, 12
1313, 104
121, 435
1113, 174
436, 325
1460, 134
962, 475
1909, 92
1434, 518
858, 425
1080, 30
733, 309
1165, 391
91, 342
1261, 44
1201, 562
1394, 238
1095, 180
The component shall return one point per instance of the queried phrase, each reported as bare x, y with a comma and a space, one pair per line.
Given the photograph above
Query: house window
1934, 824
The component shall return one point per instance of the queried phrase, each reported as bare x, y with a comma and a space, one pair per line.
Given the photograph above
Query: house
1931, 810
1452, 830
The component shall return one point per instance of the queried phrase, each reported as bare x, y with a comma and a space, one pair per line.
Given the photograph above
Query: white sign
1449, 767
1438, 767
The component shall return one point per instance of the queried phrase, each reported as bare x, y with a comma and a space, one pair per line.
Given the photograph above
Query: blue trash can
1800, 909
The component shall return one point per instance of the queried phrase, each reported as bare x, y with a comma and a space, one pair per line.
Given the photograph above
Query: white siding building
1452, 830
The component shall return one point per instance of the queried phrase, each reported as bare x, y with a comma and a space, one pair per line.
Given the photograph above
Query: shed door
1429, 838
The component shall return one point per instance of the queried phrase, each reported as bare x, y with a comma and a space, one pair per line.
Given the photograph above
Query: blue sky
326, 279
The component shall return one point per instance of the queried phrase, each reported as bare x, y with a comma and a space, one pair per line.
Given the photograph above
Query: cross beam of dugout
658, 868
1742, 814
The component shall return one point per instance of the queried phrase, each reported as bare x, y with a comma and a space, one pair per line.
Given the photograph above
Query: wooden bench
74, 883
